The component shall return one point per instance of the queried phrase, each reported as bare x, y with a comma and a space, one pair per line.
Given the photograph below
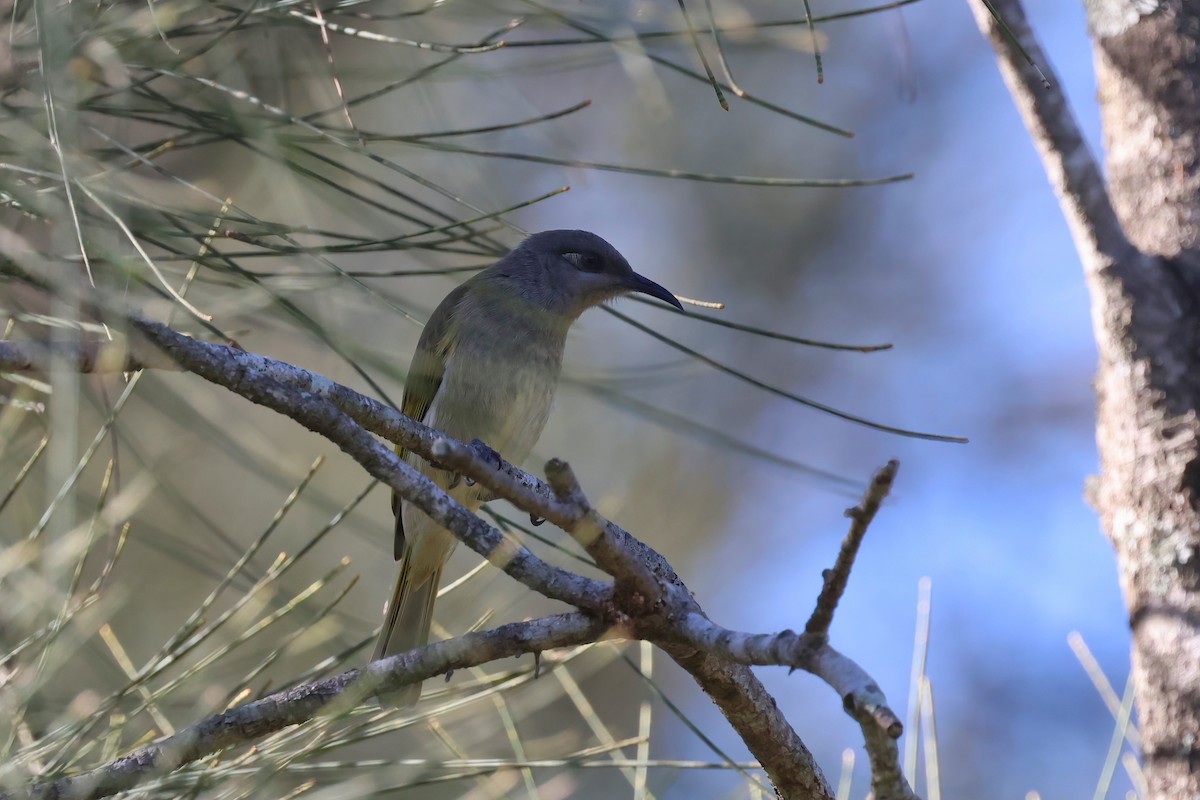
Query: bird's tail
409, 613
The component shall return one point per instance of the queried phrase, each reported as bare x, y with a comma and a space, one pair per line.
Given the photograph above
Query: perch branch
651, 601
228, 367
568, 508
753, 713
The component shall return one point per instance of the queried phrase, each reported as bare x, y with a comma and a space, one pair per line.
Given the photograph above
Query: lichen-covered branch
237, 371
1139, 245
252, 721
648, 599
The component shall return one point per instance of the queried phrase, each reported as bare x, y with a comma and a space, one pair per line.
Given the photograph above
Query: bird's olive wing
425, 378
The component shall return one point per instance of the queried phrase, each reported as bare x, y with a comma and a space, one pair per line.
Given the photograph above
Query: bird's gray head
568, 272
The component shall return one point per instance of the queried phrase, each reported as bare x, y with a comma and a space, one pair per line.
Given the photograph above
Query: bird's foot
482, 451
486, 453
535, 520
455, 478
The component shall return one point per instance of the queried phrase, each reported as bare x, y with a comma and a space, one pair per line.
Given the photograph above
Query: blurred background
967, 269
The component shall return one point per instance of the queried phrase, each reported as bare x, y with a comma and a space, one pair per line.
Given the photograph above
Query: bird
485, 368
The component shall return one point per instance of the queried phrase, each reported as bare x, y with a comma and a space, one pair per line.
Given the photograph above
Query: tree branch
716, 657
690, 630
650, 601
236, 371
1073, 172
568, 508
810, 651
861, 517
327, 697
1142, 278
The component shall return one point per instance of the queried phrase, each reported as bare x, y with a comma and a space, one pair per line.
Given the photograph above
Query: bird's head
569, 271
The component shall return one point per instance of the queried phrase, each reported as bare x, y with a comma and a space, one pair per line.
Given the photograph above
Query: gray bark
1137, 239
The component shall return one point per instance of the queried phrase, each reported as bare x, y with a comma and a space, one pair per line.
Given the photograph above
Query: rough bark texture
1148, 494
1137, 239
1149, 90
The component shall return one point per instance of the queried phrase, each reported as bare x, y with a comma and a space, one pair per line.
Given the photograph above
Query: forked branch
646, 600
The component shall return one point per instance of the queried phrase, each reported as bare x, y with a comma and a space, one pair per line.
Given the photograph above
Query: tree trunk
1137, 237
1148, 493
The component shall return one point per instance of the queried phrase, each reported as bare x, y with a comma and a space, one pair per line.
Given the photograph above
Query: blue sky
970, 271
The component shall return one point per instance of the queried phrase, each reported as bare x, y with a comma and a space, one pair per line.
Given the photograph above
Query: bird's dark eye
585, 262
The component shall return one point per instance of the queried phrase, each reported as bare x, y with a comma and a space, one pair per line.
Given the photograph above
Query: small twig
861, 516
861, 696
803, 651
637, 587
567, 507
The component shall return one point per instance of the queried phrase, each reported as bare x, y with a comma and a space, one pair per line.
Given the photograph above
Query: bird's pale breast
498, 386
499, 395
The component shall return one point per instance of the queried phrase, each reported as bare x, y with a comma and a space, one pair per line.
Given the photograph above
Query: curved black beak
636, 283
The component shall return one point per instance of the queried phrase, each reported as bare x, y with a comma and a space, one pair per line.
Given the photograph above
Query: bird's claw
535, 520
482, 451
